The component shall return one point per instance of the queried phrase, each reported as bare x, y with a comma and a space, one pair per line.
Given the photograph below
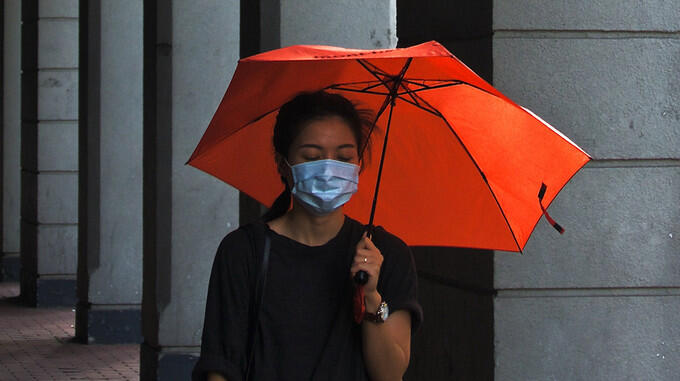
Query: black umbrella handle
361, 277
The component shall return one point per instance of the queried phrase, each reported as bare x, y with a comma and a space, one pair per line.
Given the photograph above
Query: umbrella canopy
463, 164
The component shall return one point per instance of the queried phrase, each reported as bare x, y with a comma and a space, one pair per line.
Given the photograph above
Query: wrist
372, 301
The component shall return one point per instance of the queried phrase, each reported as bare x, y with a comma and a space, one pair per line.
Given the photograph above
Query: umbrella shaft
380, 168
396, 83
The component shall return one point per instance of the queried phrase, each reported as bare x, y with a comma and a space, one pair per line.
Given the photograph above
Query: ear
283, 168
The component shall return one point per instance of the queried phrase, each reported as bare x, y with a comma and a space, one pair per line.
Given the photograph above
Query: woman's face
327, 138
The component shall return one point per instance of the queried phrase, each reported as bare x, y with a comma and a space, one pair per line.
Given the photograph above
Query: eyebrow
319, 147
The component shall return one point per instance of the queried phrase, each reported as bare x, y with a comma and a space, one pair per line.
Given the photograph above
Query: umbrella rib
425, 87
218, 141
422, 82
415, 100
459, 83
371, 84
481, 173
415, 103
357, 90
375, 68
365, 65
374, 86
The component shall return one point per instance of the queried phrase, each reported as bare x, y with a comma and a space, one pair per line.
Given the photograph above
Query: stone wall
600, 302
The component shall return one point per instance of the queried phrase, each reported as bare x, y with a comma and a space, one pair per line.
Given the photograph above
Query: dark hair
305, 107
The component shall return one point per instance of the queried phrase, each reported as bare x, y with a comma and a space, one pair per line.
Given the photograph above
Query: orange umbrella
460, 164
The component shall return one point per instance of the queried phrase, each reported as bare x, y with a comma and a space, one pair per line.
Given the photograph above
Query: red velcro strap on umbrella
359, 304
552, 222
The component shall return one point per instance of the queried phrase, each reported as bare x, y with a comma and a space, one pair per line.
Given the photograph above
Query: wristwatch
380, 316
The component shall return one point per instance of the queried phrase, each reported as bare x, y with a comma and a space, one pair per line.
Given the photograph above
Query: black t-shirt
306, 329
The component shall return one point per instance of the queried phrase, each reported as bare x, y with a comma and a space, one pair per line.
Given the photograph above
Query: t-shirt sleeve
225, 327
398, 282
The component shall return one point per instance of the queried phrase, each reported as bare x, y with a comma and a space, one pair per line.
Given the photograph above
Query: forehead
328, 131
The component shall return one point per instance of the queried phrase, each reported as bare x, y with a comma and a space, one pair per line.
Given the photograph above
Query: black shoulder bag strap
259, 294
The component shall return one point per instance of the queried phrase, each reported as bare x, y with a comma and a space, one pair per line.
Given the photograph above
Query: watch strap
376, 317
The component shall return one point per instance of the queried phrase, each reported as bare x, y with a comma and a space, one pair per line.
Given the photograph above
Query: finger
370, 253
362, 244
364, 253
369, 244
365, 261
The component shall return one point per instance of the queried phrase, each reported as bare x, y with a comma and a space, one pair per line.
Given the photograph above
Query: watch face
384, 311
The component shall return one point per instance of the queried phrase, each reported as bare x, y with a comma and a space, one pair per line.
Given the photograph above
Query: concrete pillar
602, 301
110, 183
455, 285
49, 163
11, 140
191, 50
361, 24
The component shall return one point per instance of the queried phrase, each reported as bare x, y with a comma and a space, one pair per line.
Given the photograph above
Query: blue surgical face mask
322, 186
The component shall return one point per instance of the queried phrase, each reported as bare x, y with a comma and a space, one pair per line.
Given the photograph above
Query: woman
304, 329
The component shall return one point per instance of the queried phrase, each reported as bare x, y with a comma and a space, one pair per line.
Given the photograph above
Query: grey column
11, 140
110, 184
49, 142
361, 24
191, 50
601, 302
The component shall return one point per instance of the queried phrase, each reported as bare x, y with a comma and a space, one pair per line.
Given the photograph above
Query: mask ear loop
284, 179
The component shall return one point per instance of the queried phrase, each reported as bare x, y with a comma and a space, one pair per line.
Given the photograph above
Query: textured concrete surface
57, 40
116, 275
58, 198
57, 8
364, 24
622, 230
58, 146
203, 209
58, 95
626, 15
587, 338
110, 249
600, 302
616, 98
57, 245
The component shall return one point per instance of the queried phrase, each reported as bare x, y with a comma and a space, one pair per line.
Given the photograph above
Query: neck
307, 228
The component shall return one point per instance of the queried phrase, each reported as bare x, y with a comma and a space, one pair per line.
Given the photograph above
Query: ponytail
280, 206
